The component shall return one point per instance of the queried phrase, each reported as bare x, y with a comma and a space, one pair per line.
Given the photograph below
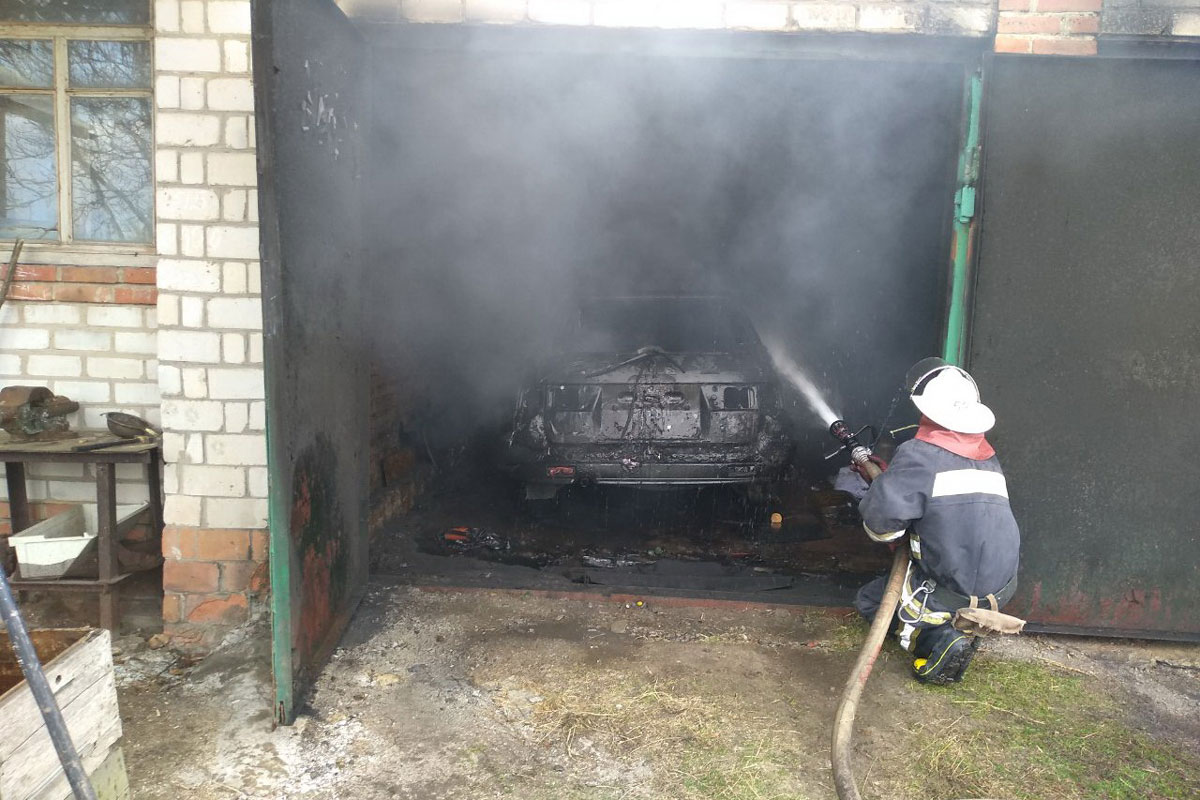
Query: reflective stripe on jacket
964, 534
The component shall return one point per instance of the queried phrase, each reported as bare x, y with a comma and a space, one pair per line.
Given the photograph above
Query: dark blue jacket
964, 535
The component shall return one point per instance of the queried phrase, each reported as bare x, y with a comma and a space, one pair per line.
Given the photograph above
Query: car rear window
676, 325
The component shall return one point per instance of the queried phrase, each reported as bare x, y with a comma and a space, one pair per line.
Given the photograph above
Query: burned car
650, 392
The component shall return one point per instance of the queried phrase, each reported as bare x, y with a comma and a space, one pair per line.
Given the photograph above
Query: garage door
1086, 335
308, 62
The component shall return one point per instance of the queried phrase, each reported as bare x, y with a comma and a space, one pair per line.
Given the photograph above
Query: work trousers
917, 608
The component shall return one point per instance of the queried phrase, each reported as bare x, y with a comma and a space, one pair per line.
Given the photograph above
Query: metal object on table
34, 413
127, 428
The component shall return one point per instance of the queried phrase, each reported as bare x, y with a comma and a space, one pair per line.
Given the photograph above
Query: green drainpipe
964, 215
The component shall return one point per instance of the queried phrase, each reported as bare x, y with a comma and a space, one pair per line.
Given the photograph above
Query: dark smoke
506, 185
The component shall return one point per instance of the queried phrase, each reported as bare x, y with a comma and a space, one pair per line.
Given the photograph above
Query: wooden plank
73, 673
103, 456
85, 688
109, 779
48, 642
64, 446
66, 584
94, 722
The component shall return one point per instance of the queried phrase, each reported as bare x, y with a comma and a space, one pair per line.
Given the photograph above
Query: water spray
787, 367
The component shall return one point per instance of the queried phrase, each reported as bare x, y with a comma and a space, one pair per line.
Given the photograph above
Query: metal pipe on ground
31, 667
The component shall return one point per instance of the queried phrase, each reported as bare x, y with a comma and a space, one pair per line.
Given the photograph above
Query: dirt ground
499, 695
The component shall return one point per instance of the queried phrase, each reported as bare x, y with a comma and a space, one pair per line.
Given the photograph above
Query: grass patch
1029, 731
701, 744
848, 634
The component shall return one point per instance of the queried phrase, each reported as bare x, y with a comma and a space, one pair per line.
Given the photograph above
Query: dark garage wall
507, 184
1087, 336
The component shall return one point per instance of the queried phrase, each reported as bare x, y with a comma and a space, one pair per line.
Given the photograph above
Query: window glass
100, 12
26, 63
112, 195
109, 65
29, 185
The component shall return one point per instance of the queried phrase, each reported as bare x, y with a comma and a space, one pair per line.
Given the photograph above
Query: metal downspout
964, 225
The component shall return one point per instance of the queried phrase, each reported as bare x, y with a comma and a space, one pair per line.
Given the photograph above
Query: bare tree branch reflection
109, 65
111, 193
29, 187
26, 63
110, 170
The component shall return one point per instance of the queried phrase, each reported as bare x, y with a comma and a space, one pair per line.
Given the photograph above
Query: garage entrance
520, 175
452, 197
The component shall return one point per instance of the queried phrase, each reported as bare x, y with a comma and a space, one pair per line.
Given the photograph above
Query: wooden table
16, 455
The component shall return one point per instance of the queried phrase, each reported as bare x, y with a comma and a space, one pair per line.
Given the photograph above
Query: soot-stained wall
506, 185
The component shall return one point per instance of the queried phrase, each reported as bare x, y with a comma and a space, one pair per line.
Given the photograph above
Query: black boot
942, 654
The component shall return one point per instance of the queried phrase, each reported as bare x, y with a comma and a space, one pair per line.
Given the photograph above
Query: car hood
697, 368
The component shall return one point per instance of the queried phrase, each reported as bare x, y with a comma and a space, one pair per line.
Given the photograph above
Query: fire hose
843, 721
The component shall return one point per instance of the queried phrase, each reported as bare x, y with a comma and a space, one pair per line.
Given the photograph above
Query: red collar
968, 445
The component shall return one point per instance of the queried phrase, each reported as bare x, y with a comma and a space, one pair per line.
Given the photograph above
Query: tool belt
947, 598
971, 619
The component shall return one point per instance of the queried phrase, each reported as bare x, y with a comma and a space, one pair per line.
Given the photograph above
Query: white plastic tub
58, 547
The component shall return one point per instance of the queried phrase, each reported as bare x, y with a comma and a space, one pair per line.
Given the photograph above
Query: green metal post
278, 477
964, 218
281, 581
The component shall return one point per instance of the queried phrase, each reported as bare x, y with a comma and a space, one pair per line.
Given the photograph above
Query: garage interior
517, 175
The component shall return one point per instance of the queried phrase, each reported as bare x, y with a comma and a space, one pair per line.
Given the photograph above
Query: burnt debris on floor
701, 539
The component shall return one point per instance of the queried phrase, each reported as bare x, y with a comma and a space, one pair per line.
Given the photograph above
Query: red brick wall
211, 580
70, 284
1049, 27
397, 477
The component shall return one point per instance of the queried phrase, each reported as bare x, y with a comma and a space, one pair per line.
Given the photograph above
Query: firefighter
946, 489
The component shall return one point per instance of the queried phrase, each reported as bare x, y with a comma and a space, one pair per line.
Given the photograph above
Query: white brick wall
209, 368
94, 354
102, 357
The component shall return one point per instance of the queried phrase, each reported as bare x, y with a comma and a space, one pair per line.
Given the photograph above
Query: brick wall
399, 471
960, 17
81, 321
1151, 17
210, 317
1057, 27
1048, 27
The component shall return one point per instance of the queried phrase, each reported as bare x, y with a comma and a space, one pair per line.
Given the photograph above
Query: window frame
59, 35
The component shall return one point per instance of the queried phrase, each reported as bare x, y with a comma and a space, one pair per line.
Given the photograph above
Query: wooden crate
78, 665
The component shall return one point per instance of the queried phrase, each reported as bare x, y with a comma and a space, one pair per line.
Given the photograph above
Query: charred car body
652, 392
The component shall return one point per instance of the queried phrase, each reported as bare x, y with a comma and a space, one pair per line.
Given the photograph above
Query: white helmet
949, 396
